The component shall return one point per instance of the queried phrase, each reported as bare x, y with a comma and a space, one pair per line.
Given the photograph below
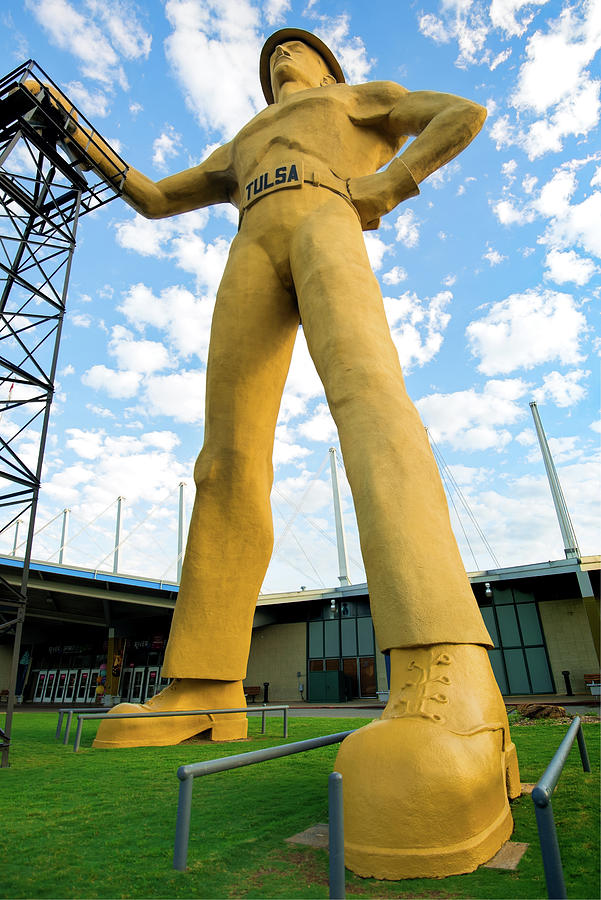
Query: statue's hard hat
294, 34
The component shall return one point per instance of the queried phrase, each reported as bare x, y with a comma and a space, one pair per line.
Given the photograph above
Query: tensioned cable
141, 522
443, 465
297, 506
301, 548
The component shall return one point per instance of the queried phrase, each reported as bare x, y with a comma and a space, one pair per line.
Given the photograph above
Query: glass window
316, 665
366, 636
528, 617
508, 626
522, 596
332, 641
315, 638
516, 672
349, 637
539, 670
502, 595
496, 661
489, 620
332, 665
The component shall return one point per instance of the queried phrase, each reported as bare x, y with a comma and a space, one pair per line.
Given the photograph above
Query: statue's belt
291, 175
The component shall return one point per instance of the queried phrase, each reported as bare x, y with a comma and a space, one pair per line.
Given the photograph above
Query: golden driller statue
426, 786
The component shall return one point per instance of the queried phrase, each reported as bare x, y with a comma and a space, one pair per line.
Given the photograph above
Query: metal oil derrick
43, 192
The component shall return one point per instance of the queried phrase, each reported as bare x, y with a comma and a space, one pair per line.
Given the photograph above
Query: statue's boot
181, 694
426, 787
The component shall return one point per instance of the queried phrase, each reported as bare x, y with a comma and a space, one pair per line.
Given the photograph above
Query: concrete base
508, 857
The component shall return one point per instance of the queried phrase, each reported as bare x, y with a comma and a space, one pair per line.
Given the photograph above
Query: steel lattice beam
43, 192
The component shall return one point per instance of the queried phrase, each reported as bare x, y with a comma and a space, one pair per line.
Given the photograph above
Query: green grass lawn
101, 823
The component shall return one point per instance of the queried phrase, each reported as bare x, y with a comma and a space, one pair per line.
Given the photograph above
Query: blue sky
490, 276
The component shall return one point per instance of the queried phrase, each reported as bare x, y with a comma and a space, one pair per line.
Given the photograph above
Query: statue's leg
231, 533
425, 786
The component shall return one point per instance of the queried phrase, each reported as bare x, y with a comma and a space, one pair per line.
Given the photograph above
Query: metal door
71, 684
367, 676
49, 686
82, 686
152, 682
39, 688
61, 684
125, 684
137, 685
94, 673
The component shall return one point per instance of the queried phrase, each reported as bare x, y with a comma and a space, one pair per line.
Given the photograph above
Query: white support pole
180, 531
571, 548
16, 540
64, 535
340, 538
117, 536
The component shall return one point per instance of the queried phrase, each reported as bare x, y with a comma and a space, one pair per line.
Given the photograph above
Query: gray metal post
180, 531
286, 722
586, 766
117, 536
340, 537
263, 722
61, 713
547, 835
78, 734
64, 533
182, 824
571, 548
336, 837
68, 727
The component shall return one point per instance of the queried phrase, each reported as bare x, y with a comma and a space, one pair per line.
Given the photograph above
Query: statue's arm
204, 185
442, 124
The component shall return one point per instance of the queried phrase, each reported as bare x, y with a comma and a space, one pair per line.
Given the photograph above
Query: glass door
125, 684
71, 683
137, 685
49, 686
152, 682
82, 685
39, 688
61, 685
91, 697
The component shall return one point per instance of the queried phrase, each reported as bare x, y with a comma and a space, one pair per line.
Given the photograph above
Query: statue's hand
375, 195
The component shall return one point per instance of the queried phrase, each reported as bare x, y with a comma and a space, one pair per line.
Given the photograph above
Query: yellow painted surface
569, 642
425, 786
304, 174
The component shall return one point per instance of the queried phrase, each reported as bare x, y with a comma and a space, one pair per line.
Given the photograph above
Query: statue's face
296, 61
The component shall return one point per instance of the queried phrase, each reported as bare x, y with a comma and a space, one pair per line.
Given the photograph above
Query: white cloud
376, 248
91, 103
320, 427
178, 239
224, 92
564, 389
275, 10
472, 420
180, 396
303, 383
527, 437
349, 50
578, 224
493, 256
417, 326
86, 444
167, 145
137, 356
395, 275
121, 384
407, 228
97, 36
526, 330
503, 15
568, 266
184, 319
80, 320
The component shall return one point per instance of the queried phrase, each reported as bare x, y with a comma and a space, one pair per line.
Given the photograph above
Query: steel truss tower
43, 192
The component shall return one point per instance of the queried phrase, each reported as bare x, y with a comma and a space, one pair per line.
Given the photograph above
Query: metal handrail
188, 773
69, 711
541, 797
185, 712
